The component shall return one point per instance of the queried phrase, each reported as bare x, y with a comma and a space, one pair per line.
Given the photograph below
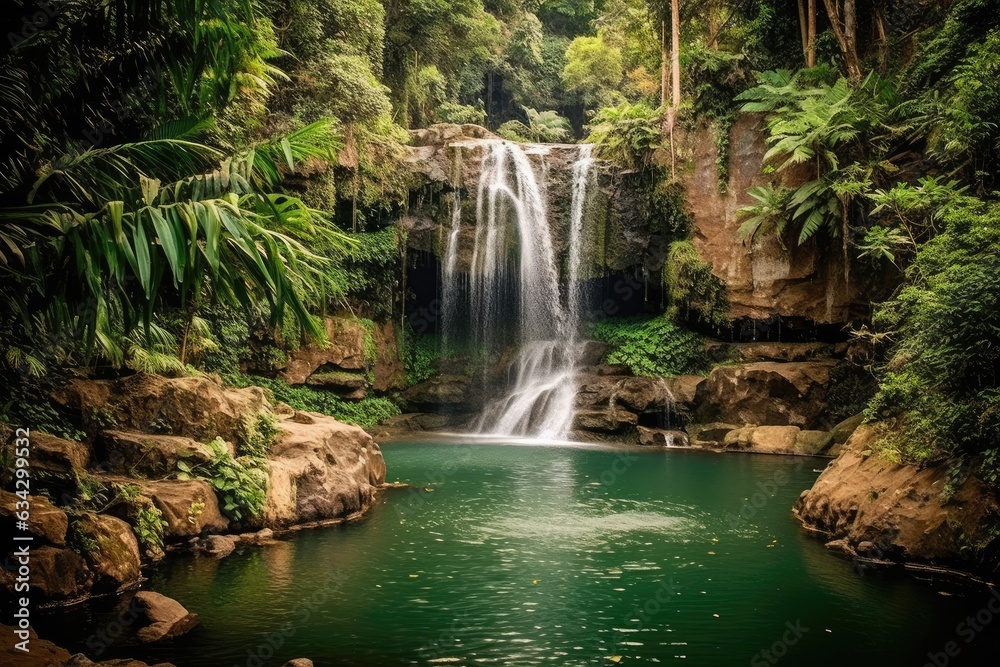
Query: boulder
45, 520
444, 392
80, 660
147, 455
655, 437
842, 432
739, 438
42, 653
901, 509
592, 353
319, 469
605, 420
813, 442
58, 455
774, 439
299, 662
346, 351
114, 559
165, 618
215, 546
189, 507
196, 407
58, 574
712, 434
770, 393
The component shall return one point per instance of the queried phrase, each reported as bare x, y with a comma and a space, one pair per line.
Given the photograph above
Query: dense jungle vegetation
182, 177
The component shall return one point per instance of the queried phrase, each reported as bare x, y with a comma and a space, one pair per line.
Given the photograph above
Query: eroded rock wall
763, 279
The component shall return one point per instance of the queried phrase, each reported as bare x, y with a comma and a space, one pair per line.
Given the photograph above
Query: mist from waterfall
513, 250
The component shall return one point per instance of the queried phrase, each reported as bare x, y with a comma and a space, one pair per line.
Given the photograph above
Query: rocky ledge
147, 479
897, 514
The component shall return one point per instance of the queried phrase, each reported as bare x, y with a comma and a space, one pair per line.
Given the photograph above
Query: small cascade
515, 267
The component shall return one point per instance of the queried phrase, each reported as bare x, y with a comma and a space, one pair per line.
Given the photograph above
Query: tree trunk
675, 70
804, 30
845, 29
811, 36
664, 66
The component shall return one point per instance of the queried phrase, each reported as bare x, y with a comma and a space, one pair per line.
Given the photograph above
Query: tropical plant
654, 347
627, 135
240, 483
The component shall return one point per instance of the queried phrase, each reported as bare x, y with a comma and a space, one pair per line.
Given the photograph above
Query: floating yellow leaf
614, 658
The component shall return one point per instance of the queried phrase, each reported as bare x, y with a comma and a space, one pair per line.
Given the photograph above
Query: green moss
694, 292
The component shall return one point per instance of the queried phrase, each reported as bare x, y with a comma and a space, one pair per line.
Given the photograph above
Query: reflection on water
520, 555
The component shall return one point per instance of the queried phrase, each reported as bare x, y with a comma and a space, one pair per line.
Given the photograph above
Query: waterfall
514, 260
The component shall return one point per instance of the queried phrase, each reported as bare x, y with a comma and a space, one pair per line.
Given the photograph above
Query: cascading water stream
511, 208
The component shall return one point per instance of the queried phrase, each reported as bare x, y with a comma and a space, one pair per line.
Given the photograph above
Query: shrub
240, 483
694, 291
654, 347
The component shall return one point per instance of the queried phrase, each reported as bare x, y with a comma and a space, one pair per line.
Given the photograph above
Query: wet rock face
114, 558
868, 505
767, 393
446, 392
762, 280
189, 507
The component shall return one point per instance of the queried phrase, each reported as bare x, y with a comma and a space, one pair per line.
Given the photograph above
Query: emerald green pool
561, 555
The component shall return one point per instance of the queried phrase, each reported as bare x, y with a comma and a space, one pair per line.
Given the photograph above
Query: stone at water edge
167, 618
45, 520
215, 546
114, 561
299, 662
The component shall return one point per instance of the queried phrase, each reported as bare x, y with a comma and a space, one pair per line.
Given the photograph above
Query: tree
843, 21
593, 69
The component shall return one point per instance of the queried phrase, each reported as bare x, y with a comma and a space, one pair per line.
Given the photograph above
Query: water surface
529, 554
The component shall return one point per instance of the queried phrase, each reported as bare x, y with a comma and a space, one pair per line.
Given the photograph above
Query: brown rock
655, 437
901, 509
712, 434
774, 439
321, 469
166, 618
443, 391
349, 385
739, 438
772, 351
59, 574
346, 351
604, 420
813, 442
197, 407
189, 507
216, 546
114, 560
44, 519
765, 279
299, 662
389, 372
57, 455
770, 393
41, 653
148, 455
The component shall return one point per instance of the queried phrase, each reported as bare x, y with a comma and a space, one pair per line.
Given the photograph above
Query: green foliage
940, 383
543, 127
461, 114
366, 412
627, 135
695, 293
256, 435
28, 404
240, 483
654, 347
421, 353
367, 276
810, 123
148, 525
594, 70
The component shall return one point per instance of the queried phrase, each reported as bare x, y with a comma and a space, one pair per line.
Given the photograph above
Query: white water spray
511, 210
